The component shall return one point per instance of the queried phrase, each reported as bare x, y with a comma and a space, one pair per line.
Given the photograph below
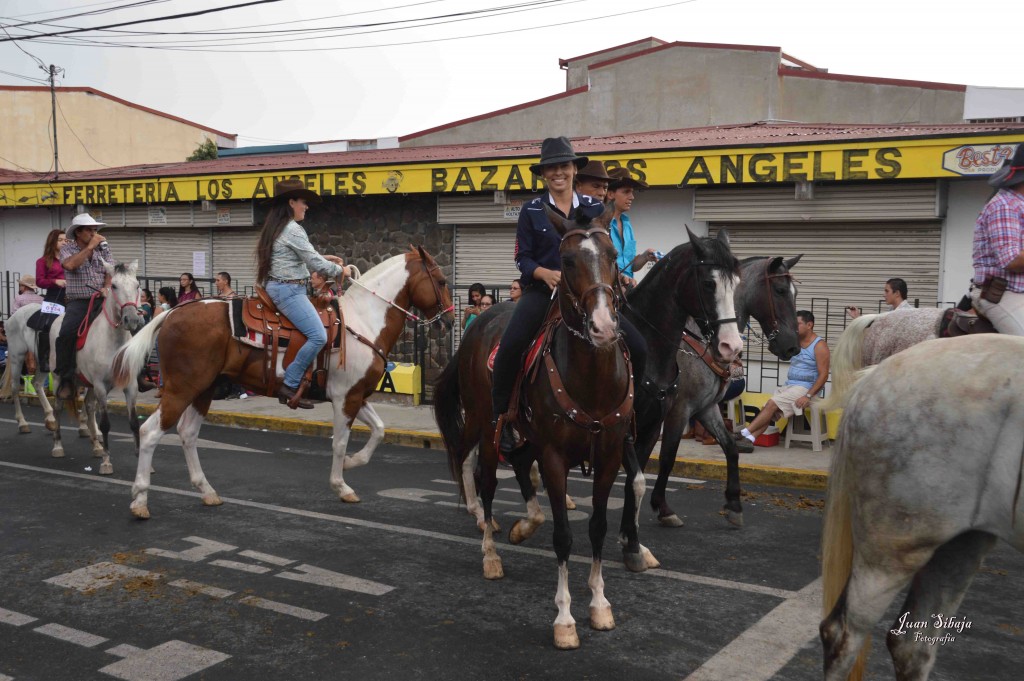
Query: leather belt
301, 282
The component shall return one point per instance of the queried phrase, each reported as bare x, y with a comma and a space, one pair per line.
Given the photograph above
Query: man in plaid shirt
999, 248
82, 257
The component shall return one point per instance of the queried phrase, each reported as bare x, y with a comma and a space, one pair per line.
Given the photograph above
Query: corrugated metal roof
745, 135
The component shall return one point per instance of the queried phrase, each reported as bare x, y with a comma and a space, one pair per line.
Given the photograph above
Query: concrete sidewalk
415, 427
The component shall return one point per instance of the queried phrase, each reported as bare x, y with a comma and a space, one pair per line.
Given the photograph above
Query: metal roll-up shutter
847, 263
164, 215
169, 252
223, 214
480, 209
830, 203
127, 245
484, 254
234, 252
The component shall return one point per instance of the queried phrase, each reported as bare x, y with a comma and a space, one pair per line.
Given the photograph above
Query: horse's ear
108, 267
775, 264
698, 249
793, 261
423, 254
561, 224
133, 267
604, 220
723, 236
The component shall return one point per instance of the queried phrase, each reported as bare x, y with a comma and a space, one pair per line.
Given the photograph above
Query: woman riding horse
537, 257
284, 257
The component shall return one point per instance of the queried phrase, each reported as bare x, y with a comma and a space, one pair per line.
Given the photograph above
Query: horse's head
123, 301
767, 293
714, 273
428, 288
587, 289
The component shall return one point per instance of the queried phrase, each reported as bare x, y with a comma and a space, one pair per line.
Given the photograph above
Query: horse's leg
524, 528
938, 587
188, 428
555, 474
48, 420
150, 433
80, 413
488, 462
868, 593
14, 365
473, 506
605, 472
342, 431
131, 398
91, 401
711, 418
368, 415
629, 530
100, 396
675, 422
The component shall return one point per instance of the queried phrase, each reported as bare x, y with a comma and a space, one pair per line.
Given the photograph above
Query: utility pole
53, 71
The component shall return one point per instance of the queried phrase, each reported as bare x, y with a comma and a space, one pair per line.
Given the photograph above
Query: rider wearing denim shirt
285, 257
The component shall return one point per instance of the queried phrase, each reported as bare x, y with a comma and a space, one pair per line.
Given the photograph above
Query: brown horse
197, 347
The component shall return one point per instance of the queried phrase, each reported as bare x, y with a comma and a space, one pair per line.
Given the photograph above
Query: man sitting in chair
808, 372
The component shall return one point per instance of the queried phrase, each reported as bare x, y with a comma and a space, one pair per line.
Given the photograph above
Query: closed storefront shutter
234, 252
127, 245
848, 263
484, 254
829, 203
169, 252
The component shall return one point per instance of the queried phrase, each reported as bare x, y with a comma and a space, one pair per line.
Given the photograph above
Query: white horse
925, 478
196, 346
111, 330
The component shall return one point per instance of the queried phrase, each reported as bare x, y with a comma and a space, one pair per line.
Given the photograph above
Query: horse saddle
261, 318
964, 322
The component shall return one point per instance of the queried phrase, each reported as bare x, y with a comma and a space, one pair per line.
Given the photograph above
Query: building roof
766, 134
125, 102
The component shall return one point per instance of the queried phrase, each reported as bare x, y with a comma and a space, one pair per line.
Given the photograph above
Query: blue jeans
293, 303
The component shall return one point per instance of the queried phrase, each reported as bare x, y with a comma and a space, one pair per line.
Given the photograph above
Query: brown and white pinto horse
196, 347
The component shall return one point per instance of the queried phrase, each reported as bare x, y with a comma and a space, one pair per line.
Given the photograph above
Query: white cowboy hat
82, 220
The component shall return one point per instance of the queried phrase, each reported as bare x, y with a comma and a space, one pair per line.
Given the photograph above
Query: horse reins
409, 315
771, 300
578, 301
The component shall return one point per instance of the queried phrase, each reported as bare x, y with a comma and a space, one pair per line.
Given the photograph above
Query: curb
704, 469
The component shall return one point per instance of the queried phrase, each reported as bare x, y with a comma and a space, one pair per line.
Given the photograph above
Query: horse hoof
24, 429
670, 521
140, 512
106, 469
570, 505
211, 500
350, 498
517, 535
735, 519
649, 560
565, 637
493, 569
634, 562
601, 619
57, 453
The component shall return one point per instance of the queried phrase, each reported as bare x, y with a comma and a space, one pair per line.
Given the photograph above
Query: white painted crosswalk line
6, 678
242, 567
76, 636
169, 661
266, 558
205, 549
200, 588
284, 608
100, 575
15, 619
314, 575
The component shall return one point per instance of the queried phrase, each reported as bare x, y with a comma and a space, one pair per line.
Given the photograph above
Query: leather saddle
263, 320
957, 322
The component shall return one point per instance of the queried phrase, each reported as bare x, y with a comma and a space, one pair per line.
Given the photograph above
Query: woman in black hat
284, 258
539, 262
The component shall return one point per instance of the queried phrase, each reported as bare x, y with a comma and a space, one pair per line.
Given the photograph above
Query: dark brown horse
197, 347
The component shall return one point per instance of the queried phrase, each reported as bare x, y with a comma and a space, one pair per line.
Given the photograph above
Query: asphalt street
284, 581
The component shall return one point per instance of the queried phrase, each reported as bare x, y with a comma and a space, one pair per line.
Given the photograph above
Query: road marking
76, 636
284, 608
6, 678
266, 558
123, 650
494, 502
762, 650
242, 567
205, 549
169, 661
200, 588
15, 619
314, 575
399, 529
99, 576
168, 440
413, 494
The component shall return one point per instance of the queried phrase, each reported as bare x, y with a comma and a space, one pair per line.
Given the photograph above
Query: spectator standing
167, 299
486, 301
515, 290
223, 283
476, 291
146, 304
320, 286
187, 290
26, 293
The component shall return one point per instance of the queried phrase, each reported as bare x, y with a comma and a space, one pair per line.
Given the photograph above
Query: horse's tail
847, 360
129, 360
450, 419
837, 542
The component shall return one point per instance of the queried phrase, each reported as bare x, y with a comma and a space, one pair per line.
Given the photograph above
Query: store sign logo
977, 159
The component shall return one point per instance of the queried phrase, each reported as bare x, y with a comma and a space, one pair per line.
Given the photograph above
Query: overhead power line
130, 5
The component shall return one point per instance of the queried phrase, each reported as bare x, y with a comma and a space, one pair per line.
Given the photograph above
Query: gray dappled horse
925, 478
119, 316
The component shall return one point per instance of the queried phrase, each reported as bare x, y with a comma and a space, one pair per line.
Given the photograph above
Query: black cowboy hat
293, 189
1012, 171
555, 151
593, 171
620, 177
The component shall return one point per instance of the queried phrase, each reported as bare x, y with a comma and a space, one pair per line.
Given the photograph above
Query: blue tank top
803, 369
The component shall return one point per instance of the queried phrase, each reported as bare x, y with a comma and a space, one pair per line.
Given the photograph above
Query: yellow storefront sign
864, 161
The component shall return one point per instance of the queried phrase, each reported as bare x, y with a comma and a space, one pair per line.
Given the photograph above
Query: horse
577, 407
766, 292
119, 317
925, 477
196, 347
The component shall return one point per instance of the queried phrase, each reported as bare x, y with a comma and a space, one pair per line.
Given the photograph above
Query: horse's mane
657, 280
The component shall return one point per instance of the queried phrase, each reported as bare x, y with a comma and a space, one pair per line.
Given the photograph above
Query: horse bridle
408, 313
775, 326
120, 311
578, 301
706, 326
